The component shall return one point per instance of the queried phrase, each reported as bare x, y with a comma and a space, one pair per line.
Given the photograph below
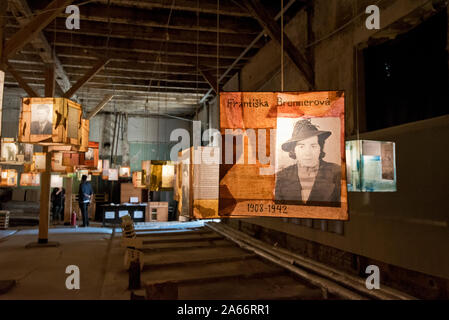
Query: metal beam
32, 28
89, 75
275, 32
100, 106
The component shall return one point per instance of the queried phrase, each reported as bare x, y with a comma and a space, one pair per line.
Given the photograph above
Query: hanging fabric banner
283, 155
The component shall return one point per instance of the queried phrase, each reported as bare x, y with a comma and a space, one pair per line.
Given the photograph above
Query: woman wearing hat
311, 179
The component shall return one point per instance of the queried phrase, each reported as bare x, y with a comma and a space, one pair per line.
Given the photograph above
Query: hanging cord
158, 62
109, 27
218, 47
357, 82
282, 45
197, 47
53, 51
359, 145
107, 47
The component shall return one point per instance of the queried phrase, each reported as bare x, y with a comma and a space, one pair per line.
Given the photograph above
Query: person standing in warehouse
85, 194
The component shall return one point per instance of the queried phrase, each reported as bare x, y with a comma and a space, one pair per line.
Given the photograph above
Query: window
406, 79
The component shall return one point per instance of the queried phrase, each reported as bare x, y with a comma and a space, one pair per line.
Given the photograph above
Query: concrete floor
40, 272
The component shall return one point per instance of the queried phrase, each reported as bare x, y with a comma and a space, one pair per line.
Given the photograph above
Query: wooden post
2, 86
44, 212
3, 10
68, 199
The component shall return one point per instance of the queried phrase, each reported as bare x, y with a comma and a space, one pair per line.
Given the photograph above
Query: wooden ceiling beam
100, 106
128, 85
210, 78
227, 7
96, 95
143, 83
83, 80
116, 76
154, 88
118, 69
23, 13
33, 27
273, 29
155, 47
142, 57
21, 82
158, 18
128, 31
124, 98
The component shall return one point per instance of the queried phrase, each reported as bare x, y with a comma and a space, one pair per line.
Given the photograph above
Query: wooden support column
270, 25
3, 11
49, 80
33, 27
44, 213
86, 78
68, 199
2, 86
46, 186
44, 209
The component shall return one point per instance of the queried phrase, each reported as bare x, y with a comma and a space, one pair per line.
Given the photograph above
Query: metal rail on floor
329, 279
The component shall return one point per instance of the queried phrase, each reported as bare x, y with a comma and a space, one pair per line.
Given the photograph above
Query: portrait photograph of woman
308, 158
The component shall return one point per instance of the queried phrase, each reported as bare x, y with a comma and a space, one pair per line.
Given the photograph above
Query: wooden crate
63, 126
158, 175
127, 190
4, 219
198, 183
157, 211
